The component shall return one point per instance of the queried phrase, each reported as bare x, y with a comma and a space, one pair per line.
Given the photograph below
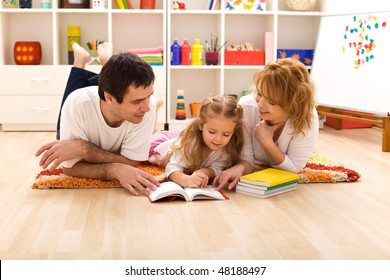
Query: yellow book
120, 4
269, 177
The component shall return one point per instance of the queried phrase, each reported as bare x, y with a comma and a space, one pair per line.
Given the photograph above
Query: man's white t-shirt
81, 118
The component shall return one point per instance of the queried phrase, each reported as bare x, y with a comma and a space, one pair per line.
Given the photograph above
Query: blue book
210, 4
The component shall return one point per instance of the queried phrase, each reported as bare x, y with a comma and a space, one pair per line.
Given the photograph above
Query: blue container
304, 56
175, 53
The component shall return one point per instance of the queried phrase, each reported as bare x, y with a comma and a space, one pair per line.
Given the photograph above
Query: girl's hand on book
197, 180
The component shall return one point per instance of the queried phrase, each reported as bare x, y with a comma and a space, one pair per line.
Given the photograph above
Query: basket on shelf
301, 5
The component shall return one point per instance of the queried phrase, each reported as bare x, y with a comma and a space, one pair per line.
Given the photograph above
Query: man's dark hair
121, 71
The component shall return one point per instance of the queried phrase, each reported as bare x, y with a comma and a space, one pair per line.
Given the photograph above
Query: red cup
212, 58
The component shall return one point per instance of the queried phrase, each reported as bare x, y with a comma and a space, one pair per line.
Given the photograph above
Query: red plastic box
244, 57
341, 123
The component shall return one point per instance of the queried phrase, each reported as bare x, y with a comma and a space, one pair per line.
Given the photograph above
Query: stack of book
268, 182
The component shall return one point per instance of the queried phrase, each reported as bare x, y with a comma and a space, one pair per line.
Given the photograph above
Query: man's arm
133, 179
59, 151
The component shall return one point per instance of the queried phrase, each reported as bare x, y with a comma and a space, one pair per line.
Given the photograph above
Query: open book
169, 191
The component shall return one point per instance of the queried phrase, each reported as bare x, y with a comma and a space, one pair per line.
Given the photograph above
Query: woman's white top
296, 147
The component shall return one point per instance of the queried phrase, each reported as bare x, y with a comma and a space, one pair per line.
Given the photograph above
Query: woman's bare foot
159, 103
104, 52
81, 56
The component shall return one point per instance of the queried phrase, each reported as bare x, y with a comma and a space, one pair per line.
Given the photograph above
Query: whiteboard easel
350, 68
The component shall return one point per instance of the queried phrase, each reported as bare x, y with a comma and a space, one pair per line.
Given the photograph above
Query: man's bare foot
81, 56
104, 52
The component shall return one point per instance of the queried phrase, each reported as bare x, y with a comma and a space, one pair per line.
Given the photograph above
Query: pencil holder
94, 58
212, 58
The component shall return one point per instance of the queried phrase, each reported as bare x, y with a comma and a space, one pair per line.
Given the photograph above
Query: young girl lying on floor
208, 145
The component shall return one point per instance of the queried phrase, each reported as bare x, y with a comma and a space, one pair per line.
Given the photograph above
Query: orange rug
56, 179
319, 169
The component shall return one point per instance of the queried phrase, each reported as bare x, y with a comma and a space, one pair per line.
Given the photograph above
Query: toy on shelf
9, 4
73, 37
98, 4
28, 53
176, 5
180, 105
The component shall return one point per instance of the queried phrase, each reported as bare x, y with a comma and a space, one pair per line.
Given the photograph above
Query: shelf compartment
237, 81
93, 26
248, 28
197, 85
27, 27
128, 29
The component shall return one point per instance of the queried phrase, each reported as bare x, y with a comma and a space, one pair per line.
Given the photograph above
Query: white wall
354, 6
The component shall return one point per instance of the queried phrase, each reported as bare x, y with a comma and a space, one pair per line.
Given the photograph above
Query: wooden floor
317, 221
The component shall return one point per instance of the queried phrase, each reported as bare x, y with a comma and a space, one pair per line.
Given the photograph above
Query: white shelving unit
35, 91
292, 30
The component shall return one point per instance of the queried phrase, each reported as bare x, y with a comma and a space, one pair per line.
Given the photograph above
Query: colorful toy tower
180, 105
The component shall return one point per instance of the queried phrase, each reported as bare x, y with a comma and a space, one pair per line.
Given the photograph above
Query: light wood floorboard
317, 221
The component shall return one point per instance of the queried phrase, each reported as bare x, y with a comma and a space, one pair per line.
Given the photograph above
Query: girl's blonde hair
286, 82
192, 143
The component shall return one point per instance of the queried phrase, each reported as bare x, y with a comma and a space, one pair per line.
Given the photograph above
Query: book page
204, 193
168, 189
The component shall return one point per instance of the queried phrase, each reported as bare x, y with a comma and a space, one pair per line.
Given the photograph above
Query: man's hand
134, 179
57, 152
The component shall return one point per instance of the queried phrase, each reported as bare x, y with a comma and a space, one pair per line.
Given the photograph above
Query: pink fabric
160, 137
159, 49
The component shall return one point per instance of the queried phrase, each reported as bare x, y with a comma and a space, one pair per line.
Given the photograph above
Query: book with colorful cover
267, 195
256, 187
251, 190
245, 5
209, 4
269, 177
169, 191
